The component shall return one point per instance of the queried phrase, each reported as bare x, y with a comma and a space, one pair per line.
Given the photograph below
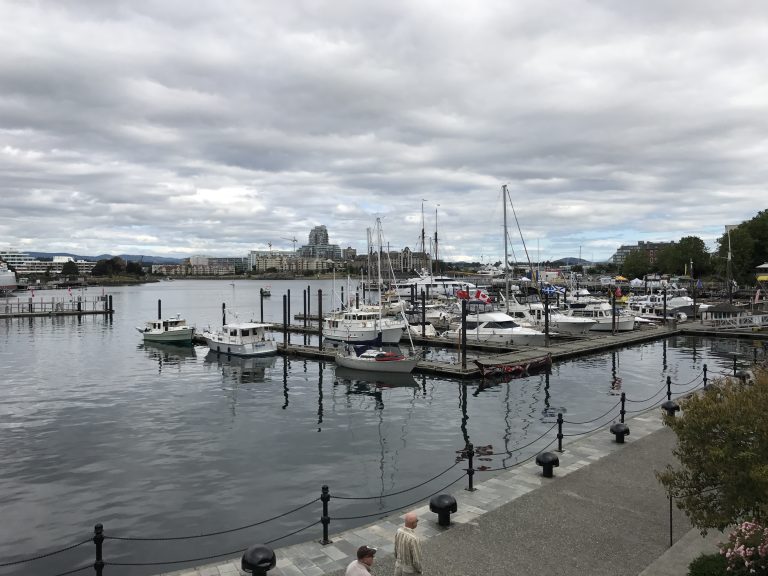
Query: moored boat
514, 368
375, 360
8, 282
168, 330
241, 339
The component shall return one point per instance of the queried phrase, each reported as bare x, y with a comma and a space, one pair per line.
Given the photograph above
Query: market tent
620, 279
635, 282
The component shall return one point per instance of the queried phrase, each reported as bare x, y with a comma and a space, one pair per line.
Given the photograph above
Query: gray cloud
175, 128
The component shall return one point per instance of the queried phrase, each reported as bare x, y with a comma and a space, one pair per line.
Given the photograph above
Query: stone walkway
602, 513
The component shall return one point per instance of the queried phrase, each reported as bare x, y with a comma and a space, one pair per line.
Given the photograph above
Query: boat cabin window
471, 325
504, 324
233, 332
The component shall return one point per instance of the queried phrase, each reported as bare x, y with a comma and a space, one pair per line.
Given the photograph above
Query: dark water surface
161, 441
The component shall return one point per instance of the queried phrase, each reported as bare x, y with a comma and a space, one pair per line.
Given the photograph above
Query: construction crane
292, 240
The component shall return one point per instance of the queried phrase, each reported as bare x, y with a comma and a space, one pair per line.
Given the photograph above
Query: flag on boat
482, 296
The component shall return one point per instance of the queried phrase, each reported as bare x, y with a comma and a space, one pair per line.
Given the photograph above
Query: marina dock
55, 306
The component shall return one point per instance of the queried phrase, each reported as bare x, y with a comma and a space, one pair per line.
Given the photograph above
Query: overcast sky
176, 128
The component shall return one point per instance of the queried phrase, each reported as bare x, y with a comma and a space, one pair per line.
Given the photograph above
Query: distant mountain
126, 257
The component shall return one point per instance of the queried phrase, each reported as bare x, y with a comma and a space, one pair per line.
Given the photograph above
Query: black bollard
670, 407
288, 316
669, 388
111, 310
619, 429
560, 432
443, 505
159, 309
261, 304
547, 461
623, 411
469, 451
705, 376
258, 560
98, 539
325, 497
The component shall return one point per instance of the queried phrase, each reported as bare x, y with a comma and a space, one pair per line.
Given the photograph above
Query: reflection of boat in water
515, 369
378, 379
242, 368
168, 353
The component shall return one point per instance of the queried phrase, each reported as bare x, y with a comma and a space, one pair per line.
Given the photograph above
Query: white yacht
604, 319
8, 282
363, 325
433, 286
498, 328
532, 315
241, 339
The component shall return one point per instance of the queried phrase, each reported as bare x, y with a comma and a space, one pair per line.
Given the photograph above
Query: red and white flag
482, 296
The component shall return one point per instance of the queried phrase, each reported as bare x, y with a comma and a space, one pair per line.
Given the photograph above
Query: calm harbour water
159, 441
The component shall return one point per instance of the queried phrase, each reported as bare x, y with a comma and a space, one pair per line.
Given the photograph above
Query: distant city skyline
611, 123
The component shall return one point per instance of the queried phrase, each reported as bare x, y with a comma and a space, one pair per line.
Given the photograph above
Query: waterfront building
319, 247
652, 250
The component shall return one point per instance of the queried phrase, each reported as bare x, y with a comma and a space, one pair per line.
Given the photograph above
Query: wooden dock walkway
56, 306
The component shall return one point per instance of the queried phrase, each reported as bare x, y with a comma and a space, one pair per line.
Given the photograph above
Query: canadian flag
482, 296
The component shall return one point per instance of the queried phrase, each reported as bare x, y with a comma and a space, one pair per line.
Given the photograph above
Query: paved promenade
604, 513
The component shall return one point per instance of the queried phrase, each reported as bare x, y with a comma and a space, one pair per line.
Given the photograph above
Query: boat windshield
503, 324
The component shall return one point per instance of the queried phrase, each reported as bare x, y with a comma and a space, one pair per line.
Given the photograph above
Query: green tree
111, 267
69, 269
748, 246
723, 452
636, 264
134, 268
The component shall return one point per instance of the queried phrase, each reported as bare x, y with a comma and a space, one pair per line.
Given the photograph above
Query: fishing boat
241, 339
169, 330
375, 359
514, 368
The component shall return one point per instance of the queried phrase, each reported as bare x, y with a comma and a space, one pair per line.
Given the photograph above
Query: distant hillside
126, 257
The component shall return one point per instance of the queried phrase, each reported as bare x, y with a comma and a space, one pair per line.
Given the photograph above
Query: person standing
361, 566
408, 547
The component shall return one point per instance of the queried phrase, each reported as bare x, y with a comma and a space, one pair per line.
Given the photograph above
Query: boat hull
403, 366
363, 335
174, 337
623, 324
265, 348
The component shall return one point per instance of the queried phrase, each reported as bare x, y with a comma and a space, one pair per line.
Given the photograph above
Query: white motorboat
363, 325
433, 286
604, 318
8, 282
169, 330
497, 327
375, 360
532, 315
241, 339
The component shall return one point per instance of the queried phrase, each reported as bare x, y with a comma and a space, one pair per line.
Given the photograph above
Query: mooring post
559, 431
546, 319
705, 376
223, 313
343, 303
285, 321
669, 387
305, 318
98, 539
463, 334
159, 309
423, 314
320, 317
288, 317
734, 364
664, 296
469, 450
623, 411
261, 305
325, 497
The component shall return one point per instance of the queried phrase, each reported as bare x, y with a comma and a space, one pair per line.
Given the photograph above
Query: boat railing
739, 322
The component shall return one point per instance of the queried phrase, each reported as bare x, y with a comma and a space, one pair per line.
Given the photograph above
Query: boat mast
378, 262
506, 257
436, 256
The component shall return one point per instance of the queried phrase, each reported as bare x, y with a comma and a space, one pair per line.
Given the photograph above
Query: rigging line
145, 539
396, 493
594, 419
517, 222
47, 554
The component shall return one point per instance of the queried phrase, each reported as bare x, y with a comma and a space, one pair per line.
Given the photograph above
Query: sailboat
374, 358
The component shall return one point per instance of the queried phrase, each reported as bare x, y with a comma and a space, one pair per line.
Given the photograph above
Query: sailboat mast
378, 262
436, 253
506, 256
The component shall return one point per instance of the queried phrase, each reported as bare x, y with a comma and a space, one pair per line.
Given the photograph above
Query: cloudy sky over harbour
176, 128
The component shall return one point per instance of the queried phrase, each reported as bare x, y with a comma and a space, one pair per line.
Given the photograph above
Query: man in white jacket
408, 547
361, 566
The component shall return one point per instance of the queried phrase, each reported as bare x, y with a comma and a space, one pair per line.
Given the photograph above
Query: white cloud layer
175, 128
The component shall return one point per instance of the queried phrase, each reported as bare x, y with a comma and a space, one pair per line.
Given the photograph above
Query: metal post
623, 411
463, 334
559, 431
159, 309
357, 300
423, 315
325, 496
470, 453
261, 304
734, 364
664, 296
546, 318
98, 539
670, 520
288, 317
309, 302
305, 317
669, 387
285, 320
223, 313
320, 316
343, 304
705, 376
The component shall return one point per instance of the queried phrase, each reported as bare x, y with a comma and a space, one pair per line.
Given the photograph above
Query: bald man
407, 547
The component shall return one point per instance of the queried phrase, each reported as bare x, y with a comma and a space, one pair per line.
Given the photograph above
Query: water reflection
167, 355
375, 379
240, 369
